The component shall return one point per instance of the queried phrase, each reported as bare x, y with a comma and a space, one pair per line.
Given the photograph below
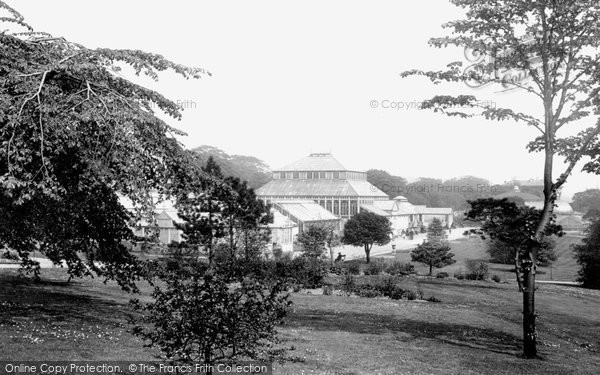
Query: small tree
205, 319
365, 229
588, 257
314, 241
435, 251
436, 232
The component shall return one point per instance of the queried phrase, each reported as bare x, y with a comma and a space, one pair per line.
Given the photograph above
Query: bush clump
354, 269
411, 295
376, 267
368, 291
305, 271
496, 278
348, 284
442, 275
386, 288
400, 269
476, 270
244, 317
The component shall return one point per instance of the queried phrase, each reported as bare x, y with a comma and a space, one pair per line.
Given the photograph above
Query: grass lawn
475, 329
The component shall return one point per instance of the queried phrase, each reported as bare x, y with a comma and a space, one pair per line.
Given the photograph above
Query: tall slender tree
555, 45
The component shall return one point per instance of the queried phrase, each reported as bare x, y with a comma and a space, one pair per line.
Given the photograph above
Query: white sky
294, 77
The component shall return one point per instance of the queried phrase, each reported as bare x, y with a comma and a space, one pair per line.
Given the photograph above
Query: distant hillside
247, 168
435, 192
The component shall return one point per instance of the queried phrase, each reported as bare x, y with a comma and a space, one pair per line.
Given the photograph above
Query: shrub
393, 291
178, 259
327, 290
223, 317
396, 293
442, 275
410, 295
354, 269
277, 251
387, 283
398, 268
305, 271
433, 299
476, 270
419, 292
459, 276
367, 291
385, 288
496, 278
348, 284
376, 267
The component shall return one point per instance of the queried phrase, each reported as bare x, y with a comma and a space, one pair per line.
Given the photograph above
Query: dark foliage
207, 319
313, 241
503, 253
398, 268
74, 135
514, 227
476, 270
354, 269
365, 229
588, 257
376, 267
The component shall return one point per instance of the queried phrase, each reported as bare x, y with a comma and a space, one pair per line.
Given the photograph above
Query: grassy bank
475, 329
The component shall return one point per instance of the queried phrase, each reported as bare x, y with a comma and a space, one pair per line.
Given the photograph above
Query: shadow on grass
57, 301
454, 334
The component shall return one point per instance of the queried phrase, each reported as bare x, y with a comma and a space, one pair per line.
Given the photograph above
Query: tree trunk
430, 270
529, 332
368, 253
